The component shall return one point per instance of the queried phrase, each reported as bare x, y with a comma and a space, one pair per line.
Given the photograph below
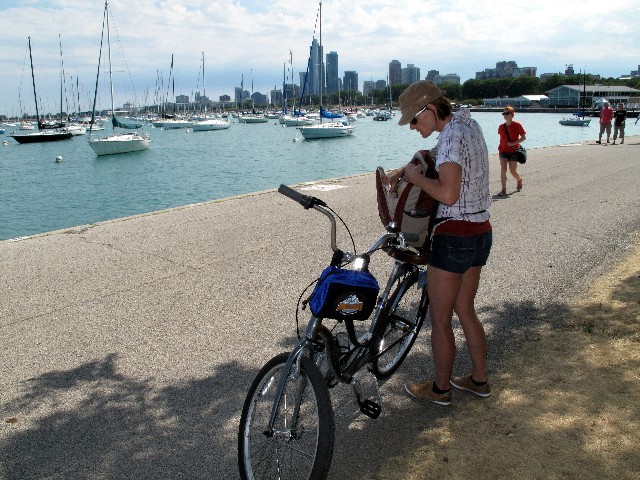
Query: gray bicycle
287, 424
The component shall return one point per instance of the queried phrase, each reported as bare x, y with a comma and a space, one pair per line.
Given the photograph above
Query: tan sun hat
415, 97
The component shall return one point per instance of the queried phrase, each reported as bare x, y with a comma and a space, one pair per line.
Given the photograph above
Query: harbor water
38, 194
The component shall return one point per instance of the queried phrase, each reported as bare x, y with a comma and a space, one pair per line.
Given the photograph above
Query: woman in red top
508, 145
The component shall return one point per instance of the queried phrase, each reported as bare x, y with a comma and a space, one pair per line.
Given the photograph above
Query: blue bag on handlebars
344, 294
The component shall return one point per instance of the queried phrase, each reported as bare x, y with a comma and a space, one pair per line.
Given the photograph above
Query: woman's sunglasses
506, 113
415, 119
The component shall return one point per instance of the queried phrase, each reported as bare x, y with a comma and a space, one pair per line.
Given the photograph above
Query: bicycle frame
361, 353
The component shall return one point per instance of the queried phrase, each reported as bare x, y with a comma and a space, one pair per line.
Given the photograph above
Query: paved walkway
128, 346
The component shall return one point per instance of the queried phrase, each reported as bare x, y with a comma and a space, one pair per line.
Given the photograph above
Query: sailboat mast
61, 73
33, 79
113, 110
320, 66
204, 88
78, 92
95, 95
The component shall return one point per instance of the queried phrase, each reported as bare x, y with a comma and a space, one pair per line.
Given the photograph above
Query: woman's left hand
392, 178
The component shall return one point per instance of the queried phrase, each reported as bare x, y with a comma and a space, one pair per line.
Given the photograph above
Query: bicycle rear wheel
399, 325
301, 443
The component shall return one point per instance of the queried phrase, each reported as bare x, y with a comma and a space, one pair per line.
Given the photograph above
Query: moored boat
43, 134
210, 124
76, 129
327, 130
175, 123
253, 119
334, 128
116, 143
120, 143
578, 120
296, 120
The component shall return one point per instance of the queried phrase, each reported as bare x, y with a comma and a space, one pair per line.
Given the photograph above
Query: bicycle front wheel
399, 325
300, 445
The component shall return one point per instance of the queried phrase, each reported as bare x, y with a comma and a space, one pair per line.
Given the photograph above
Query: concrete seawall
128, 346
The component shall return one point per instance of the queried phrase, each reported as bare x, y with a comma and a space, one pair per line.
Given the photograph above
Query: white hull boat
575, 122
76, 129
326, 130
175, 124
117, 142
121, 143
296, 121
213, 124
253, 119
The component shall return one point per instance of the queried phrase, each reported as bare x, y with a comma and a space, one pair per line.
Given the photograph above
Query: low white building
517, 102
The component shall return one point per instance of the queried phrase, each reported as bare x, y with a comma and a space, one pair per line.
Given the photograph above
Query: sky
252, 39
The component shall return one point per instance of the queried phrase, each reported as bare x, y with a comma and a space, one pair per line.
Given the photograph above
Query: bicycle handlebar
306, 201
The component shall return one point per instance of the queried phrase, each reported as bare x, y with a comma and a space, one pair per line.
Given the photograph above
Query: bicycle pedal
370, 408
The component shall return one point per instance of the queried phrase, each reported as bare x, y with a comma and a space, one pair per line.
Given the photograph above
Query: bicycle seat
406, 256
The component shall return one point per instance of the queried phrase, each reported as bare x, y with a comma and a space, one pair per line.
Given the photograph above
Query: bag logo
350, 305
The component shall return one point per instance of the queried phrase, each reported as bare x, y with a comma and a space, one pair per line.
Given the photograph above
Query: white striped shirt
461, 141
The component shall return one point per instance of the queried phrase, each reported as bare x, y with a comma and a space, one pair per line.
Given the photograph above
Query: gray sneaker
465, 383
424, 390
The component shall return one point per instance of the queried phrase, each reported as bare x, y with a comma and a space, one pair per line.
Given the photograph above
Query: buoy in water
59, 159
5, 143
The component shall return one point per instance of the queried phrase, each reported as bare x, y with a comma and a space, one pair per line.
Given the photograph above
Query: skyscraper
395, 72
410, 74
316, 69
332, 72
368, 86
350, 80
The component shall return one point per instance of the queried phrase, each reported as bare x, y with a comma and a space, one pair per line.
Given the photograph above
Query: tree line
473, 91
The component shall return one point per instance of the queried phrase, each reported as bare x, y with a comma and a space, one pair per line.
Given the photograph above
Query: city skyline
254, 39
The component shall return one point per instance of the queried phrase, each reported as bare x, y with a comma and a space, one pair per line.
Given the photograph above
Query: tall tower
410, 74
395, 72
350, 80
316, 69
332, 72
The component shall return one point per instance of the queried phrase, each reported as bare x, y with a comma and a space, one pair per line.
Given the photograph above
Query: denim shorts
510, 156
458, 254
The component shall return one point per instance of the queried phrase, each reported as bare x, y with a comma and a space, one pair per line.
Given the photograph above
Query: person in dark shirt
619, 117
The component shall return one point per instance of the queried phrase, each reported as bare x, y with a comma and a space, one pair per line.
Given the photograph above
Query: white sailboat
118, 142
295, 118
208, 124
253, 117
330, 129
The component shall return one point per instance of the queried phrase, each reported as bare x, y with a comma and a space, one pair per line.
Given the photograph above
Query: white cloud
237, 36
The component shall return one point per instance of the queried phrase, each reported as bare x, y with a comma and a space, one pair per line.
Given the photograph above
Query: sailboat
253, 117
118, 142
296, 119
208, 123
579, 118
330, 129
46, 132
